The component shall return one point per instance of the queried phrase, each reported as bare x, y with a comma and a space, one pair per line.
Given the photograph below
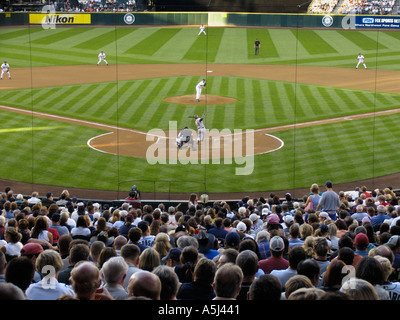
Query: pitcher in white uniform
199, 87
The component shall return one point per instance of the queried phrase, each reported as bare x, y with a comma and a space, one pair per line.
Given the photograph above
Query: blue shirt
376, 221
295, 242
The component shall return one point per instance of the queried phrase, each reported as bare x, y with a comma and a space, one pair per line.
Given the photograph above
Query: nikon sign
57, 19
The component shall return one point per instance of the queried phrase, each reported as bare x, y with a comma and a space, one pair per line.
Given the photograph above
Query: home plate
209, 71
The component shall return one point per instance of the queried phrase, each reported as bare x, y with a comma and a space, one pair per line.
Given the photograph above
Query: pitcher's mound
204, 99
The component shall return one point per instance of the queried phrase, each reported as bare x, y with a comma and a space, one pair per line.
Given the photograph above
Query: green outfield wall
223, 19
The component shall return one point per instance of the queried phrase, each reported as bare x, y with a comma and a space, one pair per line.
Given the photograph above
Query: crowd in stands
330, 245
94, 6
378, 7
322, 6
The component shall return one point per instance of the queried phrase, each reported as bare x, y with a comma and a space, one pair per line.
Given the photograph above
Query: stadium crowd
378, 7
331, 245
322, 6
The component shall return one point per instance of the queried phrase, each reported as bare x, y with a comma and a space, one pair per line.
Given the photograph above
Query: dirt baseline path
121, 140
362, 79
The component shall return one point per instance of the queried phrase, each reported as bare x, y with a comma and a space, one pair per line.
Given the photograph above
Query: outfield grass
50, 152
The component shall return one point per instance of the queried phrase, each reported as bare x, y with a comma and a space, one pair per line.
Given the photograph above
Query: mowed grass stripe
177, 46
91, 104
233, 46
122, 89
330, 102
51, 36
158, 117
153, 104
98, 42
361, 40
267, 45
206, 47
313, 42
153, 42
127, 100
19, 33
79, 98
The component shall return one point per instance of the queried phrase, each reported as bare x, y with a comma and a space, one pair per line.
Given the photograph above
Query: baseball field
66, 121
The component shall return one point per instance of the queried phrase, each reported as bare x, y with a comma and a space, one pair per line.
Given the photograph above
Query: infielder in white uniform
102, 57
202, 30
185, 136
361, 59
5, 68
201, 129
199, 87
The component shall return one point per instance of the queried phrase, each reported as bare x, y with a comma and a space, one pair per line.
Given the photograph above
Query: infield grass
55, 153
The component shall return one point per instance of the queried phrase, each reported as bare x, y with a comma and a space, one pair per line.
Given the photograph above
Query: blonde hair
162, 244
149, 259
46, 258
386, 266
359, 289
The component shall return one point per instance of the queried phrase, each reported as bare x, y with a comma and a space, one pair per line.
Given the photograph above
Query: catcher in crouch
185, 136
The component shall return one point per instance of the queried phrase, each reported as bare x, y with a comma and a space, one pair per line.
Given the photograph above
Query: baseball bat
190, 116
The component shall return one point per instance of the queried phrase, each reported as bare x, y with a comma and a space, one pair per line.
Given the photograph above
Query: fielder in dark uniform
257, 45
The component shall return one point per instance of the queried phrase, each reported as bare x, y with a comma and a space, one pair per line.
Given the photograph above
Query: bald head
85, 279
144, 284
384, 251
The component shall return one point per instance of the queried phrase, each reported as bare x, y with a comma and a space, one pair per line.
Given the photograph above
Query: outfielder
201, 129
5, 68
199, 87
361, 59
102, 57
185, 136
202, 30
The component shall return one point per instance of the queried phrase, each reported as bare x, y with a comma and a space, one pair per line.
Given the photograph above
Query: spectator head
20, 271
276, 246
228, 281
359, 289
169, 282
85, 280
309, 268
9, 291
296, 282
144, 284
114, 270
247, 260
265, 287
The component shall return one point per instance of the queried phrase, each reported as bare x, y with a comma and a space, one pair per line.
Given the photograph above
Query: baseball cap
324, 215
273, 219
276, 243
173, 254
328, 184
241, 227
31, 249
393, 242
361, 240
232, 239
288, 218
253, 217
265, 211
